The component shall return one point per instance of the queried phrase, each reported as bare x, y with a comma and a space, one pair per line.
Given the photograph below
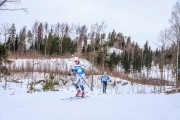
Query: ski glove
69, 74
74, 70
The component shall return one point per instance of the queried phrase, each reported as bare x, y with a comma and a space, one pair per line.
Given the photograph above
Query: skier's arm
69, 74
72, 70
109, 80
101, 79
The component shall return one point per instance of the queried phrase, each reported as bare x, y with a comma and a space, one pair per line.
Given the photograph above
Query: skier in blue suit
104, 79
78, 69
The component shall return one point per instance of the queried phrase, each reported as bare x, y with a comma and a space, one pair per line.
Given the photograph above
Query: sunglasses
75, 61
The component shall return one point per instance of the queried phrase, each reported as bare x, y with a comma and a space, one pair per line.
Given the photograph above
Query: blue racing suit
104, 80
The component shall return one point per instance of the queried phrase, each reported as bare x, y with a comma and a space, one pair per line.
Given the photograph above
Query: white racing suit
80, 75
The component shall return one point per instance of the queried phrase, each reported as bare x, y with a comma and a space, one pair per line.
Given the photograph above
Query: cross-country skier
104, 79
80, 75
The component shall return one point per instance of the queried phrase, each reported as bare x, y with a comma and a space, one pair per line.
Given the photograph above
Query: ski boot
83, 94
78, 93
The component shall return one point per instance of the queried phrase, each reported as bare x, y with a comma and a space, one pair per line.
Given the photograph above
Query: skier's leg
105, 86
82, 84
82, 89
77, 80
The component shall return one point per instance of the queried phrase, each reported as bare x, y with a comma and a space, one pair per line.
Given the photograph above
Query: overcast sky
140, 19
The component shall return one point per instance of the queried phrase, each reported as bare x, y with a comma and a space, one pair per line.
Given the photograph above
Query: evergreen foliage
49, 85
3, 59
59, 40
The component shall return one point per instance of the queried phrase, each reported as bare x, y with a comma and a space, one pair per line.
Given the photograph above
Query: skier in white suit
78, 69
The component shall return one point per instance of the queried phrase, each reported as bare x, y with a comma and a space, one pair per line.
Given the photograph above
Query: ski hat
76, 59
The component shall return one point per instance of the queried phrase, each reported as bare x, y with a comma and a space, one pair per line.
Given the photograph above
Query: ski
74, 98
69, 98
77, 98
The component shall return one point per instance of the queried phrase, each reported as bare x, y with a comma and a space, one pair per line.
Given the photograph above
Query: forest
93, 44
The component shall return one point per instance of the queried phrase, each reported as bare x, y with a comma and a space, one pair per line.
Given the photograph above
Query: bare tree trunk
176, 34
5, 31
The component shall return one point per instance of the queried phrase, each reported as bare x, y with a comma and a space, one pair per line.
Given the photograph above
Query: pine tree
125, 62
137, 59
54, 49
40, 42
3, 61
16, 43
147, 57
66, 43
30, 39
22, 40
49, 43
11, 39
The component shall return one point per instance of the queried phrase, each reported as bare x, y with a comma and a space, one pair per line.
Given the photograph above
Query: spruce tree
3, 60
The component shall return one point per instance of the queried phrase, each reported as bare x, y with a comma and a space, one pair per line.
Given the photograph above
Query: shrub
50, 85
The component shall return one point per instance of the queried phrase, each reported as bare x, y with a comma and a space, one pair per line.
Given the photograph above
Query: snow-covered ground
54, 64
126, 103
124, 100
16, 105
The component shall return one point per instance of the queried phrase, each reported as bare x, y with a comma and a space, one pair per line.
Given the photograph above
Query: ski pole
85, 82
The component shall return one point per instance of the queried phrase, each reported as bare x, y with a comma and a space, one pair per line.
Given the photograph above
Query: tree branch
3, 2
23, 9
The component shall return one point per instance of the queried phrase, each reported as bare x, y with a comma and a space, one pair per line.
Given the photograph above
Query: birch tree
164, 38
81, 32
46, 26
175, 27
4, 30
62, 30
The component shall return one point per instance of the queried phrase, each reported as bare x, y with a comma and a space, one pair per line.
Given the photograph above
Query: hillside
124, 99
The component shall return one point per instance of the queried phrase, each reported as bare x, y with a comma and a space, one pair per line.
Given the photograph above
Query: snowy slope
64, 64
121, 104
55, 64
124, 100
49, 106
